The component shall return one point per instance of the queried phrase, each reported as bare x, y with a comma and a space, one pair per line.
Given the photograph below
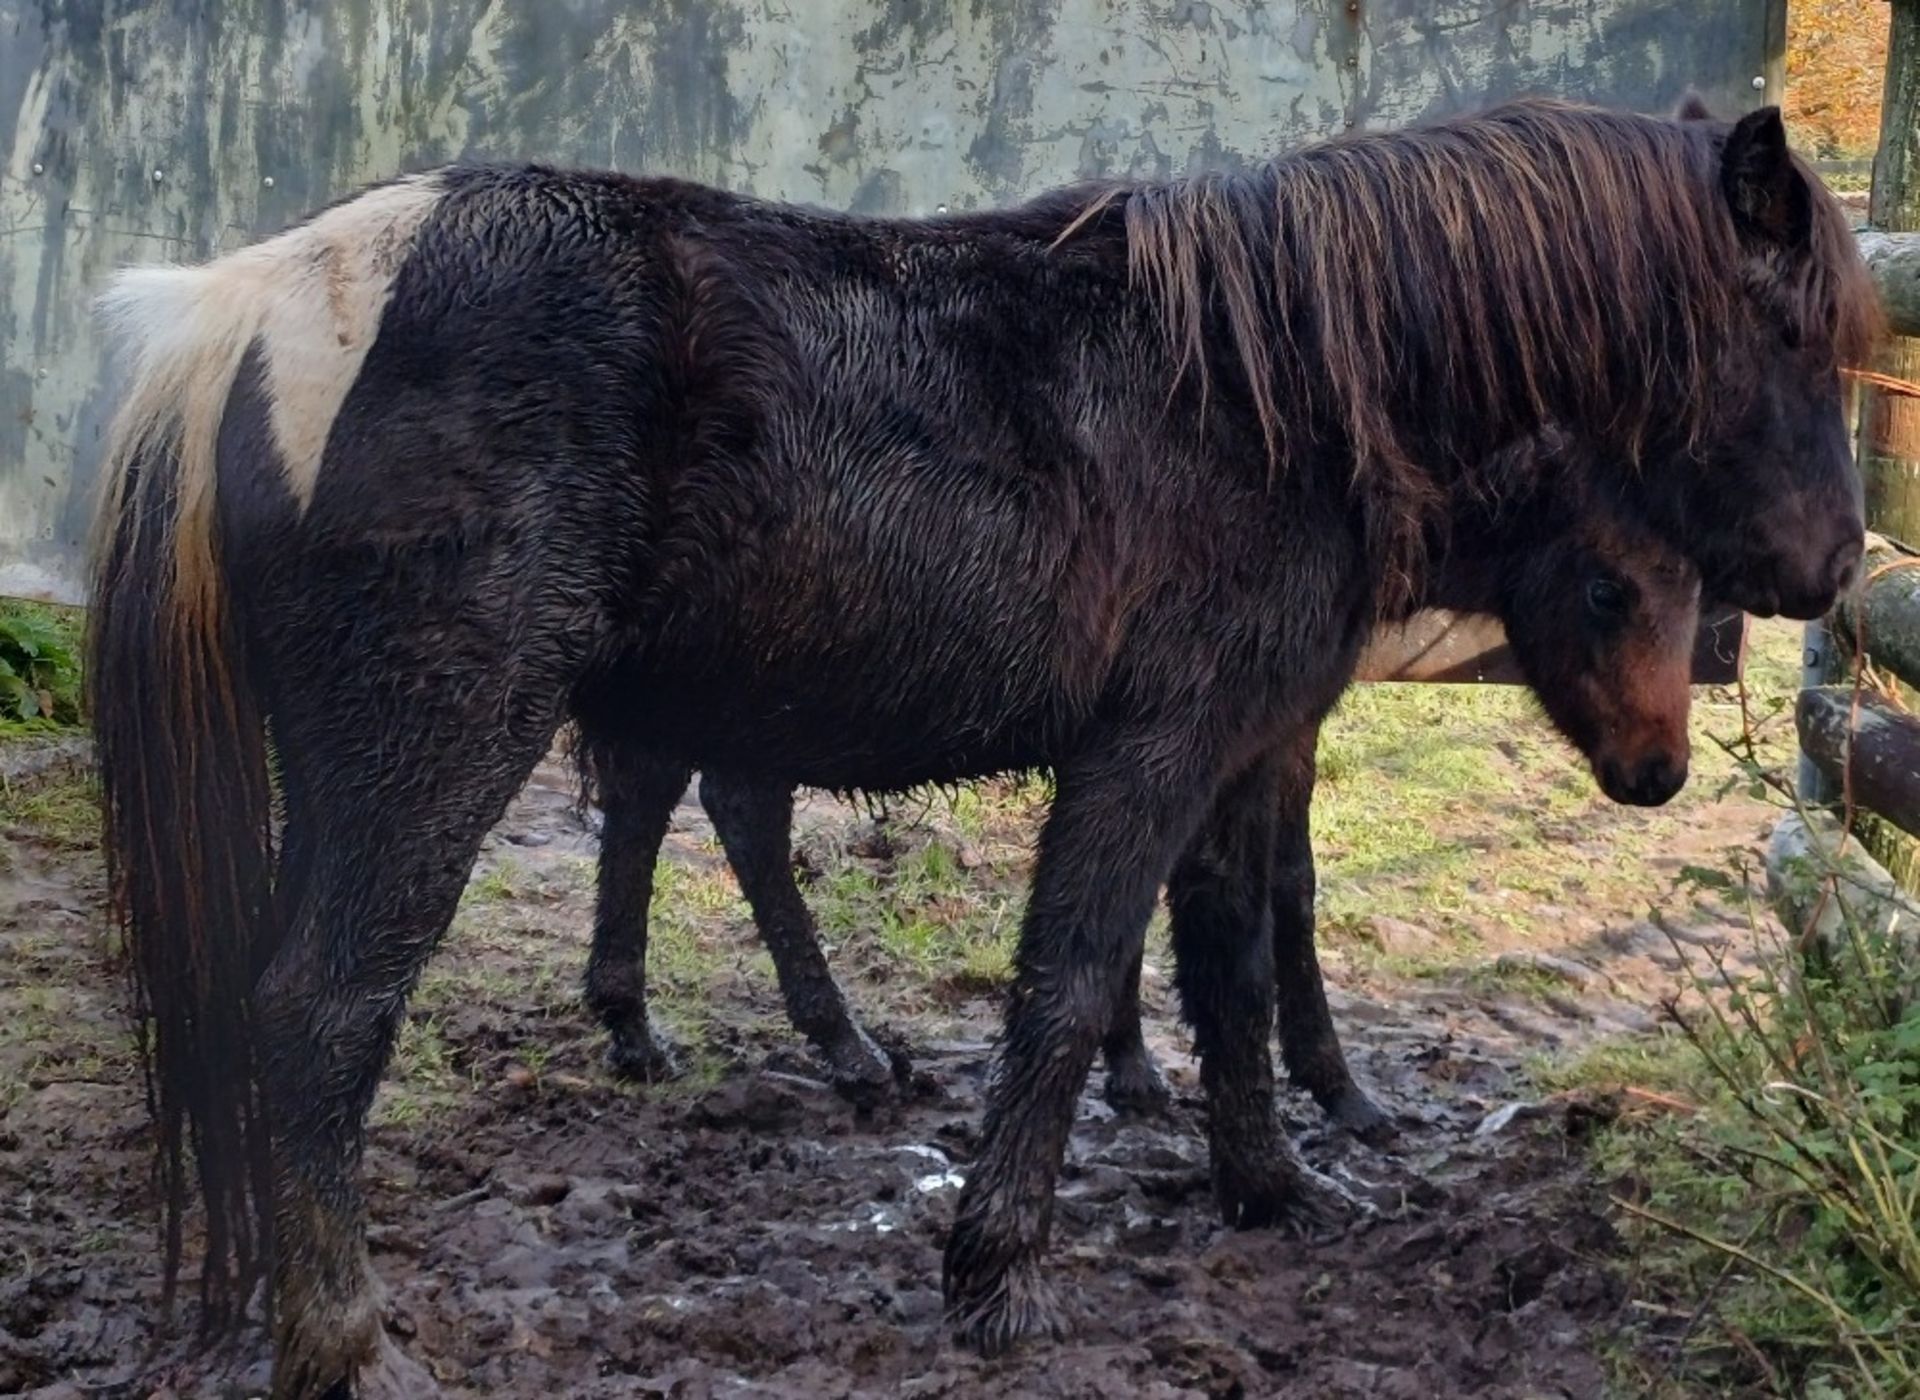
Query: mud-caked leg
1219, 898
1120, 813
1309, 1044
638, 791
1133, 1083
754, 822
384, 819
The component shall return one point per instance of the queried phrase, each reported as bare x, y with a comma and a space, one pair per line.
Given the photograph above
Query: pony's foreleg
754, 822
384, 819
1220, 896
1308, 1042
1133, 1083
1124, 807
638, 791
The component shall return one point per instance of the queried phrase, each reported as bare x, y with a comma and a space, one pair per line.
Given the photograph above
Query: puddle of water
878, 1218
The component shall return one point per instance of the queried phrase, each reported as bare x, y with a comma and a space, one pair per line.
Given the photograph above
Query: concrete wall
143, 130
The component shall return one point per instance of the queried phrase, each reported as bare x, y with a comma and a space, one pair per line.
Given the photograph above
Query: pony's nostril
1844, 565
1657, 779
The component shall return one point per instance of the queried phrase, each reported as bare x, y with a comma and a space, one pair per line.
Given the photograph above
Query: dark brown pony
1112, 483
1602, 617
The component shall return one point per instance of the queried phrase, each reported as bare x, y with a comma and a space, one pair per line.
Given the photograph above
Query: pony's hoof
1134, 1087
376, 1371
1280, 1192
1353, 1112
646, 1058
995, 1313
864, 1074
394, 1376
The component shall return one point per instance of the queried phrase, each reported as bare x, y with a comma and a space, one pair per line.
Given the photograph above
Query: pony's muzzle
1649, 782
1825, 583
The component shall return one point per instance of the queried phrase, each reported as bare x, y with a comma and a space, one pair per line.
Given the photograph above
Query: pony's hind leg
385, 814
1309, 1045
638, 791
1219, 897
754, 822
1133, 1082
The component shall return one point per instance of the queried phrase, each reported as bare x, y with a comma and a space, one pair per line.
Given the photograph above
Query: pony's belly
818, 735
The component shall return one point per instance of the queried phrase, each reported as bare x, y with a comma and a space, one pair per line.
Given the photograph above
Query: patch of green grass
1663, 1064
52, 1033
62, 810
100, 1239
984, 966
1439, 803
1490, 978
955, 928
1771, 682
506, 881
1455, 944
690, 893
1399, 765
689, 941
997, 807
421, 1080
501, 969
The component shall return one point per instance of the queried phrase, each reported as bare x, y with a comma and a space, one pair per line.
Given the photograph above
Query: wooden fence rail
1867, 747
1884, 612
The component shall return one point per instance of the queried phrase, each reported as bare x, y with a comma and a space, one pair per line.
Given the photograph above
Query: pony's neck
1468, 557
1458, 579
1414, 300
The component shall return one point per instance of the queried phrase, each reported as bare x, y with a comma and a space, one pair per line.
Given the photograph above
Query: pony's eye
1606, 598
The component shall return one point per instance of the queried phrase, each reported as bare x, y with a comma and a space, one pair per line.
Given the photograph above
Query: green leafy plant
1778, 1216
39, 666
1805, 1167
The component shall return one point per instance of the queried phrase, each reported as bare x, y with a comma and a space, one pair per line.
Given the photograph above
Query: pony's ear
1692, 108
1769, 196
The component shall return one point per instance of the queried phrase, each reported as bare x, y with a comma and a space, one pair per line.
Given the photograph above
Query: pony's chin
1762, 603
1802, 595
1808, 607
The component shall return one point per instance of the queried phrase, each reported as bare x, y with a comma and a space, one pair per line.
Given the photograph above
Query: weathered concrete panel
136, 130
1427, 56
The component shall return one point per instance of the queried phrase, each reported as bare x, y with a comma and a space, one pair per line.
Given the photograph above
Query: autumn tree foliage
1836, 65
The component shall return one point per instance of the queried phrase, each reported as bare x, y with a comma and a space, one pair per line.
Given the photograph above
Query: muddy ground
548, 1232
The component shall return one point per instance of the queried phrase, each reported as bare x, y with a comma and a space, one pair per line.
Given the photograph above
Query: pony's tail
182, 747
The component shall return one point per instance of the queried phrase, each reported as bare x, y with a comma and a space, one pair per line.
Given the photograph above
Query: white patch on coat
311, 297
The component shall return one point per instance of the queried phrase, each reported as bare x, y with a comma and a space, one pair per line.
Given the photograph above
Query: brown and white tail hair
180, 728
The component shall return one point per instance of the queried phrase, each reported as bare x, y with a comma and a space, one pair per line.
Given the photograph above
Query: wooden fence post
1889, 437
1871, 751
1895, 202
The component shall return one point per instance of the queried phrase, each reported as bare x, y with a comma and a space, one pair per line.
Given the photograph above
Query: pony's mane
1538, 262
